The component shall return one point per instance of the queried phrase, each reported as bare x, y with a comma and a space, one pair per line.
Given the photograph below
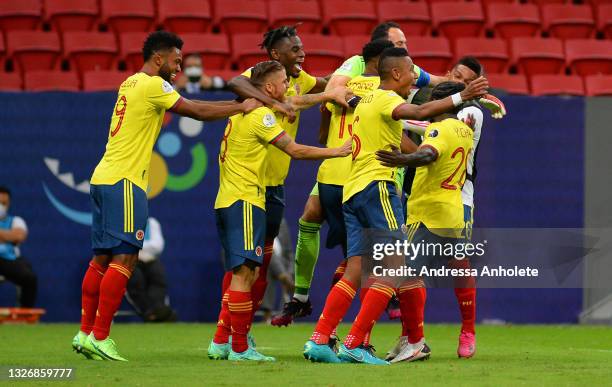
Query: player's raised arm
213, 110
242, 86
306, 152
338, 95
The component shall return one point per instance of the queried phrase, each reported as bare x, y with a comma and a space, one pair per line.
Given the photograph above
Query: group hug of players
364, 116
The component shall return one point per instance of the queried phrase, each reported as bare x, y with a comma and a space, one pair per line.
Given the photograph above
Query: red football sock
258, 290
466, 297
362, 295
339, 272
90, 293
412, 305
224, 324
240, 307
374, 304
337, 304
112, 290
227, 280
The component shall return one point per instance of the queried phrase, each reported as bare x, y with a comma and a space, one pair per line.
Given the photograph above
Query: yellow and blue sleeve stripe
128, 206
386, 205
247, 225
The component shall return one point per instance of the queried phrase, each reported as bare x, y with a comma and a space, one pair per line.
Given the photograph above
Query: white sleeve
478, 118
417, 127
154, 246
18, 222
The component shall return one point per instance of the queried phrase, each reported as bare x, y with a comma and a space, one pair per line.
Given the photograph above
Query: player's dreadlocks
160, 41
273, 36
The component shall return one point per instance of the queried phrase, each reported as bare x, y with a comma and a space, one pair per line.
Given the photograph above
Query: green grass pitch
175, 355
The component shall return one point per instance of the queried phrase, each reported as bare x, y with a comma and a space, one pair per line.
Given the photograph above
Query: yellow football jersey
242, 157
135, 125
278, 161
436, 190
373, 129
335, 171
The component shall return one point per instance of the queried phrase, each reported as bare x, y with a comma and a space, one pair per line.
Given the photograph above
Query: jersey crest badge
140, 235
269, 120
166, 87
433, 133
258, 251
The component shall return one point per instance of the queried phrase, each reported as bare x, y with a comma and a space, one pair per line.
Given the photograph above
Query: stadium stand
349, 17
324, 53
598, 85
72, 15
246, 51
213, 48
130, 49
538, 55
51, 81
492, 53
128, 16
105, 80
89, 50
353, 44
455, 21
566, 21
432, 54
291, 12
548, 84
604, 20
20, 15
510, 83
513, 20
414, 18
33, 50
241, 16
589, 56
185, 16
10, 81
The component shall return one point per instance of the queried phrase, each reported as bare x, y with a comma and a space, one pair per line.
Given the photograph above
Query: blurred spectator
14, 267
280, 272
147, 289
194, 80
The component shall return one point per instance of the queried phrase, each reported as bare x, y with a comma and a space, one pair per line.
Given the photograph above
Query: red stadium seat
598, 85
431, 54
51, 81
353, 45
104, 80
511, 83
323, 53
544, 2
492, 53
2, 51
10, 81
128, 16
130, 48
34, 50
72, 15
213, 48
246, 51
20, 14
456, 21
604, 19
589, 56
184, 16
90, 50
349, 17
567, 21
596, 3
513, 20
538, 56
413, 17
556, 84
291, 12
241, 16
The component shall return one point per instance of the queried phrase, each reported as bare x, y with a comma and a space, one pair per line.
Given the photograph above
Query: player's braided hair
382, 30
387, 55
273, 36
260, 72
375, 48
471, 63
160, 41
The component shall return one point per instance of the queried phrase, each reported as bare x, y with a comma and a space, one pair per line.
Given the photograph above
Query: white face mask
2, 211
194, 73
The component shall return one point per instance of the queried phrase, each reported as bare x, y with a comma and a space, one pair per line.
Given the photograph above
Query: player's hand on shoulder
250, 104
477, 88
340, 95
346, 148
285, 109
494, 105
392, 158
470, 121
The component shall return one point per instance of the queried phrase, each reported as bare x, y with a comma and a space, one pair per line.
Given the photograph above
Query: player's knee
102, 260
313, 212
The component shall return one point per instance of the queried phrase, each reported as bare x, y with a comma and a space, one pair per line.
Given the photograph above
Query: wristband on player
457, 100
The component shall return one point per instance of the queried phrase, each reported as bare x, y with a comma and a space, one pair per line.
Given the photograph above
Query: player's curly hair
273, 36
375, 48
260, 72
471, 63
446, 89
381, 31
386, 57
160, 41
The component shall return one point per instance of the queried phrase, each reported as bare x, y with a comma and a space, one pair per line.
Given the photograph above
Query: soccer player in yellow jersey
436, 213
283, 45
240, 207
371, 201
120, 180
